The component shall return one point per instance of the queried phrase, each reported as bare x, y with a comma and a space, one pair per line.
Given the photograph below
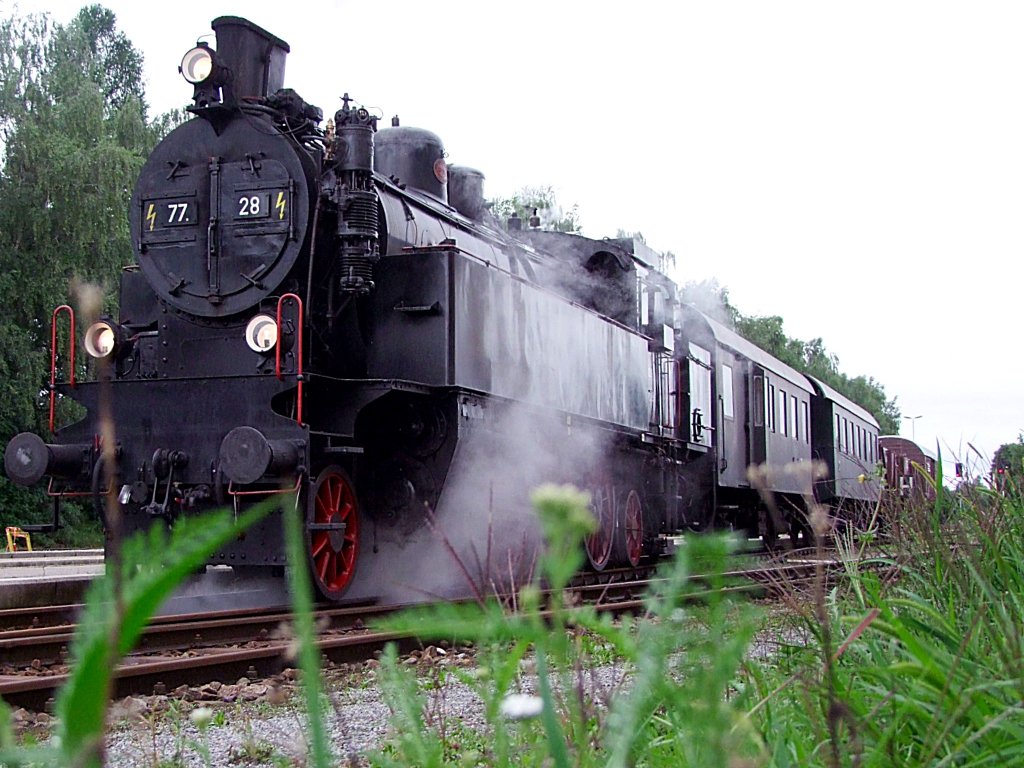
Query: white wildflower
201, 717
521, 706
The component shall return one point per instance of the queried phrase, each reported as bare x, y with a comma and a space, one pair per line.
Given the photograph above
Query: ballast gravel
259, 733
260, 723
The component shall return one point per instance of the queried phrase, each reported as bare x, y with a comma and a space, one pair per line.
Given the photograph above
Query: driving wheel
332, 532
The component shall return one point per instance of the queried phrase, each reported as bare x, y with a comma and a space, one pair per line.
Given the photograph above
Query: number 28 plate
262, 205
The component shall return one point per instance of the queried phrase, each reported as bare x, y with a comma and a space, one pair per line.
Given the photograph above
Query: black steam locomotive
333, 316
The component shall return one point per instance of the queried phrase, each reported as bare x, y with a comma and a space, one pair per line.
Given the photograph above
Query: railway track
193, 649
185, 649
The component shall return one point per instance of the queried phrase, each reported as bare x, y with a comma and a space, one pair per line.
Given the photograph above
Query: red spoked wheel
332, 525
630, 544
599, 543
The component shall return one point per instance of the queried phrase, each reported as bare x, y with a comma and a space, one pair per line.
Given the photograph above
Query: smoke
483, 538
711, 299
219, 588
597, 274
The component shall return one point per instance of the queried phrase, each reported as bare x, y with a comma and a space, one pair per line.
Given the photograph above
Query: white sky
856, 168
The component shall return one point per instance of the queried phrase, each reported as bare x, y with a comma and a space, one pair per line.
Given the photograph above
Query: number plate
157, 214
271, 205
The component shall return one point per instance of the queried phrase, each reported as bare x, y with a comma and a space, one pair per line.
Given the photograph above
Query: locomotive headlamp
198, 64
261, 333
100, 340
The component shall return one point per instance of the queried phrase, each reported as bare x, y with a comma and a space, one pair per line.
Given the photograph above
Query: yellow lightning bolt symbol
280, 205
151, 216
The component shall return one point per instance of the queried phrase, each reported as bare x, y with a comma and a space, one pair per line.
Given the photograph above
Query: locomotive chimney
254, 58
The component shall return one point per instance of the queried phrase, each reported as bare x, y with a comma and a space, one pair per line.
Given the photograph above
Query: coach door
698, 380
759, 407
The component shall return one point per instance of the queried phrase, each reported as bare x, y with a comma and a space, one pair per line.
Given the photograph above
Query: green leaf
305, 635
153, 567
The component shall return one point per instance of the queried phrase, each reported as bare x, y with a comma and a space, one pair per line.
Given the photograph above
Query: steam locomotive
333, 316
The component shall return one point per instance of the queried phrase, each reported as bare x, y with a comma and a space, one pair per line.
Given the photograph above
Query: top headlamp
198, 64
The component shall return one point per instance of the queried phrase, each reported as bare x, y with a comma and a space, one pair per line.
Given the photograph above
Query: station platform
47, 577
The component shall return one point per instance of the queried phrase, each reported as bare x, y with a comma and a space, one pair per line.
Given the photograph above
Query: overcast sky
856, 168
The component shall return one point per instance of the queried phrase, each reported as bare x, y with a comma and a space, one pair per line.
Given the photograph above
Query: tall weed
117, 608
680, 703
932, 672
916, 658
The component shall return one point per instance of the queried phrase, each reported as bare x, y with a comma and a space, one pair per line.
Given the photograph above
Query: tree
712, 299
812, 358
1008, 466
74, 131
766, 332
542, 200
809, 357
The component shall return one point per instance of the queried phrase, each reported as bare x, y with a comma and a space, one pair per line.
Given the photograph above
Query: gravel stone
258, 732
259, 723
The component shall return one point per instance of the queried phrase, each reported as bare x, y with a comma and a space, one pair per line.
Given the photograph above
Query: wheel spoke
321, 566
323, 513
319, 542
335, 491
333, 581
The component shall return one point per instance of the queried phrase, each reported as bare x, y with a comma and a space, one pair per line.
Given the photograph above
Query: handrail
265, 491
53, 354
277, 359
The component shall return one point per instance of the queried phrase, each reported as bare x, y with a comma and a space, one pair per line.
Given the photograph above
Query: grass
919, 664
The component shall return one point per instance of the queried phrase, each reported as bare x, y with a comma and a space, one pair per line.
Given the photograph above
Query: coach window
771, 406
839, 442
793, 428
804, 422
759, 401
783, 412
727, 391
846, 436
